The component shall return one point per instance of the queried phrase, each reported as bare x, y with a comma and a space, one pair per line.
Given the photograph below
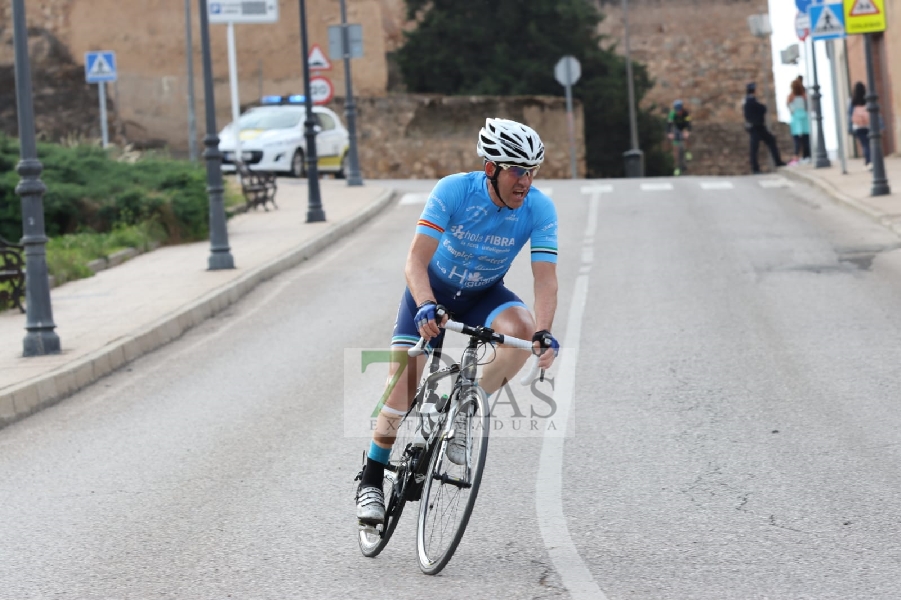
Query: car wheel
342, 171
297, 166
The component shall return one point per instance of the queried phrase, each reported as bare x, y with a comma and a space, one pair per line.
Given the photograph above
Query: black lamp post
350, 107
314, 210
40, 338
821, 159
880, 182
220, 253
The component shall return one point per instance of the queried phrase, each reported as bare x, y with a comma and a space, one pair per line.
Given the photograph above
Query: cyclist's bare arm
417, 274
545, 274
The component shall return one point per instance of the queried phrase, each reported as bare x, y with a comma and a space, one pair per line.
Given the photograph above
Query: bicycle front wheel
450, 490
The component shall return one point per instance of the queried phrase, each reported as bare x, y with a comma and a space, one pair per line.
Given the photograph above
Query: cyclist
472, 227
678, 130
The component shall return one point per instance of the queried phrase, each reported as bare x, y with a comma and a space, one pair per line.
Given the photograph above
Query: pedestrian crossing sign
827, 21
864, 16
99, 66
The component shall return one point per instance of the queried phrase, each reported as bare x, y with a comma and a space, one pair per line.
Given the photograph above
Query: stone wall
698, 50
423, 136
64, 105
400, 136
702, 52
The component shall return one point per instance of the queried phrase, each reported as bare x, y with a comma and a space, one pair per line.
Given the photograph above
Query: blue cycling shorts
476, 310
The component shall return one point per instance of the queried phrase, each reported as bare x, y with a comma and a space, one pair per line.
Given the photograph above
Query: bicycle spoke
450, 492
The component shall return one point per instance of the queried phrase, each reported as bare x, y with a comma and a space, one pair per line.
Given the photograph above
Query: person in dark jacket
754, 123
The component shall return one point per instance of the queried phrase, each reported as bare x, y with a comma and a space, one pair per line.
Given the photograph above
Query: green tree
509, 47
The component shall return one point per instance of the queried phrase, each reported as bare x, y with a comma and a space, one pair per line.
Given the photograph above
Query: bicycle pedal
368, 528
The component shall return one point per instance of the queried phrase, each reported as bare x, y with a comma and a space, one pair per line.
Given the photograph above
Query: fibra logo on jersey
459, 232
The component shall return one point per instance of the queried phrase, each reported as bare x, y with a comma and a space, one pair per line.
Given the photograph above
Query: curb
875, 214
44, 391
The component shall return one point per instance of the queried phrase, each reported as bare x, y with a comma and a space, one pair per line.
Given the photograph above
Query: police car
272, 138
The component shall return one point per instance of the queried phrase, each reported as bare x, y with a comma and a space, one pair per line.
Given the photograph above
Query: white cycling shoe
370, 505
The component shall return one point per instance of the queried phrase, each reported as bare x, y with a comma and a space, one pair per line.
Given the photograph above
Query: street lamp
880, 182
821, 159
314, 207
220, 256
40, 338
634, 158
350, 107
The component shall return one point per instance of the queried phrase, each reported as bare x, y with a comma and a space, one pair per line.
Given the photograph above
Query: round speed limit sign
321, 90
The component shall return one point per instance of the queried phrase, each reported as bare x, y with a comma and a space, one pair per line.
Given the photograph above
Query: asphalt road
733, 427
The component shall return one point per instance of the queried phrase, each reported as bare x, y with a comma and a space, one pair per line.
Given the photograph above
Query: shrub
88, 190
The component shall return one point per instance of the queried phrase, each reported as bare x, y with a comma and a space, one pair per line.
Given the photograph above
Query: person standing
800, 122
859, 120
755, 112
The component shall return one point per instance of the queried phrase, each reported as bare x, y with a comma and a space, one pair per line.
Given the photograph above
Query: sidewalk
853, 188
129, 310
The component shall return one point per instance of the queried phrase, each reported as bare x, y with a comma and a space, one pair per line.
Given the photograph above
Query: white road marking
598, 188
716, 185
587, 255
414, 198
656, 187
549, 485
775, 182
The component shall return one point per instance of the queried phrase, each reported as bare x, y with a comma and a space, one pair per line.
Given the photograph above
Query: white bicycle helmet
503, 141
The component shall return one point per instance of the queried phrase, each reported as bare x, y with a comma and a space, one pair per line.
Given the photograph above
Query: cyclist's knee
515, 321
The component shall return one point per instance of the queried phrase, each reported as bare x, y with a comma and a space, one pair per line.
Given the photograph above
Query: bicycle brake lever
418, 349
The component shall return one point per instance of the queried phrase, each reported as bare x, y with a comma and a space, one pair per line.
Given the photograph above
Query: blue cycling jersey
477, 242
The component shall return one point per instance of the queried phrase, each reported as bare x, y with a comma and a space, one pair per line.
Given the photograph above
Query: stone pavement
853, 188
134, 308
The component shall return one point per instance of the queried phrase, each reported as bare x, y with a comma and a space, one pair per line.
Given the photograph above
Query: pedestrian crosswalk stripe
656, 187
601, 188
716, 185
775, 182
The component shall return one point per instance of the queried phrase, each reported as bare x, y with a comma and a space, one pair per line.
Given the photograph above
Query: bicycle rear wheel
374, 539
450, 490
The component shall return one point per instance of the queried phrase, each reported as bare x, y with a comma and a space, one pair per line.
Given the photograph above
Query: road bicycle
419, 468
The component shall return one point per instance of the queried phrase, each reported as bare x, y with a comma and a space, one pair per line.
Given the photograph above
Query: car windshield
271, 118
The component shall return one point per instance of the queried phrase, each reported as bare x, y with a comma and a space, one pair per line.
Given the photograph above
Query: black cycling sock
373, 473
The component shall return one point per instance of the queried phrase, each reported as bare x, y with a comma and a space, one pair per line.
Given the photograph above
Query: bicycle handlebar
483, 335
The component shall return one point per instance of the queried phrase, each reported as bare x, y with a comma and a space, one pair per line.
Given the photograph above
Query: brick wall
701, 51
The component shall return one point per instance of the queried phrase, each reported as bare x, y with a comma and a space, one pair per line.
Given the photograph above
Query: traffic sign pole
104, 129
236, 102
567, 72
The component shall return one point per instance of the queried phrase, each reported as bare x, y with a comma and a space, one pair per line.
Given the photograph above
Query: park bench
12, 272
258, 187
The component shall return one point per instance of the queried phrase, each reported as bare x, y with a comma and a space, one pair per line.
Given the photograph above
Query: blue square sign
99, 66
827, 21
